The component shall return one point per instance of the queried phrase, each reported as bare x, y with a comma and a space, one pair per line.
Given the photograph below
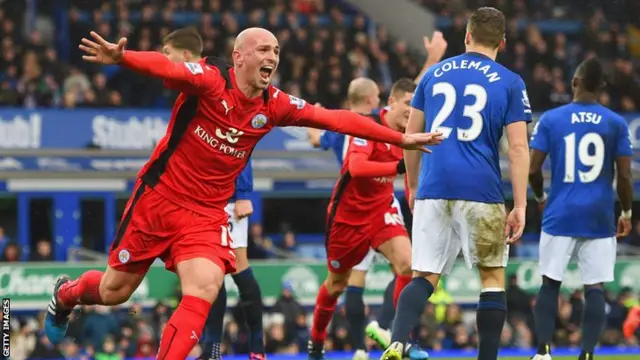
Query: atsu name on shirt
586, 117
492, 76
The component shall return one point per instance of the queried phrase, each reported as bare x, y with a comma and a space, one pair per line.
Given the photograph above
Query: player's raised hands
624, 226
101, 51
515, 225
436, 46
418, 141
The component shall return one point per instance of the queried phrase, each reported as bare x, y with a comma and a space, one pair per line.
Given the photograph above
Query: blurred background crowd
103, 333
324, 45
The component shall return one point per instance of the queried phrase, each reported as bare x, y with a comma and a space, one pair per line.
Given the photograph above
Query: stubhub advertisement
109, 129
135, 130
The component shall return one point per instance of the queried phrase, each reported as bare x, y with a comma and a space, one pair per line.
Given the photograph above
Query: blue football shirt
470, 99
335, 142
583, 141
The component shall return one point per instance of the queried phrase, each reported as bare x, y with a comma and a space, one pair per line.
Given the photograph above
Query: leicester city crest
259, 121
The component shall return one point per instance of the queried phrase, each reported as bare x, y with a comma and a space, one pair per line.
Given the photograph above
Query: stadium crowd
324, 47
103, 333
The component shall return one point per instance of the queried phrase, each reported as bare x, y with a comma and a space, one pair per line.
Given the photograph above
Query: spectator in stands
98, 323
11, 253
517, 299
290, 308
43, 251
4, 240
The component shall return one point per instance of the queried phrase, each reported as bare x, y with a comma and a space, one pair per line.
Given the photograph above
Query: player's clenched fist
420, 140
101, 51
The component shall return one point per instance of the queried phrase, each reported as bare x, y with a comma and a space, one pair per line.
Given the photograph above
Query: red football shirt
365, 187
214, 128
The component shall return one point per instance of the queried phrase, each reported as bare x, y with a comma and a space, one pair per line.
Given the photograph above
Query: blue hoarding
109, 129
133, 129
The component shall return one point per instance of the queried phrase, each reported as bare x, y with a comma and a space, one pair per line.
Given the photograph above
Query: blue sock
594, 319
411, 304
213, 327
251, 305
388, 311
354, 306
545, 313
490, 318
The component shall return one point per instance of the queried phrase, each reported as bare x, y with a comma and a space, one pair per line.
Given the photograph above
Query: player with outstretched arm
176, 212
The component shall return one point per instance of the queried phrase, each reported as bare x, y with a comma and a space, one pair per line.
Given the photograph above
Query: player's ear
503, 45
467, 38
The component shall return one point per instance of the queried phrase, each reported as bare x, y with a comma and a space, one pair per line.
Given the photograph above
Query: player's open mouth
266, 71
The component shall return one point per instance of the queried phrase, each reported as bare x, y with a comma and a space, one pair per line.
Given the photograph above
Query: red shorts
154, 227
347, 245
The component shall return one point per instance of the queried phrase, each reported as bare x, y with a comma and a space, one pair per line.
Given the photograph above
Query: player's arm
315, 136
539, 150
244, 183
360, 151
191, 78
624, 181
436, 48
518, 116
244, 188
415, 124
292, 111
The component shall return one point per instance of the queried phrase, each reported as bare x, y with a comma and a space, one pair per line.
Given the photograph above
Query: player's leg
248, 288
597, 259
334, 285
250, 302
555, 254
380, 330
388, 310
354, 305
481, 228
201, 256
346, 247
122, 277
434, 250
213, 328
200, 280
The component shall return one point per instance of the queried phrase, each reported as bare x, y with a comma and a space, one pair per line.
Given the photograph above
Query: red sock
401, 282
85, 290
184, 328
322, 314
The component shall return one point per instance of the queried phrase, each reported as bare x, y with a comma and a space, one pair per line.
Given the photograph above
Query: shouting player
398, 106
586, 143
459, 204
176, 212
185, 46
361, 214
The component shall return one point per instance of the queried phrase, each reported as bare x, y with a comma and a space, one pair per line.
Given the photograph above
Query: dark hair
187, 39
403, 85
591, 75
487, 26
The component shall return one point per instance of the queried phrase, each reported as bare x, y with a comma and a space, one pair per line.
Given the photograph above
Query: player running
458, 197
586, 143
176, 212
185, 46
399, 107
361, 214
